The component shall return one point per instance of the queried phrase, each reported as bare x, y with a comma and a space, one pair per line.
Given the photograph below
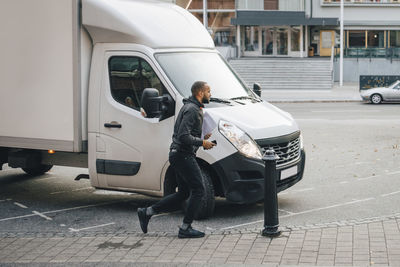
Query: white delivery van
74, 75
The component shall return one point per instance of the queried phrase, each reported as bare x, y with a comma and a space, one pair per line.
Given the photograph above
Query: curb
315, 101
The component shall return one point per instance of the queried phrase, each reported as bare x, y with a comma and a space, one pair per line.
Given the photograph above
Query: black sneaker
190, 233
143, 218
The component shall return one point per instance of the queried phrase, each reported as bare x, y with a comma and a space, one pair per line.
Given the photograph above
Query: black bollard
271, 219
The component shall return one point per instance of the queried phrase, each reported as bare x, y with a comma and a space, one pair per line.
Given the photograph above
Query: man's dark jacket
188, 127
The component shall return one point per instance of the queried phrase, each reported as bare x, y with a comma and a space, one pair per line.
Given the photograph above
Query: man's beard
205, 100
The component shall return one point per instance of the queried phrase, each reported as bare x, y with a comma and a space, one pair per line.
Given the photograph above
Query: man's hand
207, 144
207, 136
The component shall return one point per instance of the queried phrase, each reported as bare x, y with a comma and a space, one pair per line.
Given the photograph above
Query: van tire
206, 208
38, 170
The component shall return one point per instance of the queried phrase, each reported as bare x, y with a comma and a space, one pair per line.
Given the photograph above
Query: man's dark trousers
189, 180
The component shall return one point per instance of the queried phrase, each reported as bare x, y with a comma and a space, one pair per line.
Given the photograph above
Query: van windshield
183, 69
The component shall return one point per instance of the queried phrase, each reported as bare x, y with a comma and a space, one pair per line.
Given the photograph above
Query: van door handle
112, 124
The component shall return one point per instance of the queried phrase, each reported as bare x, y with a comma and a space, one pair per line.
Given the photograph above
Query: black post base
271, 232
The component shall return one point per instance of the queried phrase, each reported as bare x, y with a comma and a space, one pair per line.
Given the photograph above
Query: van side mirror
257, 89
156, 106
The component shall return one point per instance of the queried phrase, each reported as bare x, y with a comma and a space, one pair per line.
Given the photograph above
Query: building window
376, 39
356, 38
394, 38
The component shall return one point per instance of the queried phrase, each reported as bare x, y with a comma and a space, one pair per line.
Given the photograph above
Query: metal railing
360, 52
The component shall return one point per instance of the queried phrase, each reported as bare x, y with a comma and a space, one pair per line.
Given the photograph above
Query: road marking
344, 182
79, 189
302, 212
47, 178
343, 111
91, 227
304, 189
389, 194
61, 210
20, 205
42, 215
369, 177
391, 173
285, 211
329, 207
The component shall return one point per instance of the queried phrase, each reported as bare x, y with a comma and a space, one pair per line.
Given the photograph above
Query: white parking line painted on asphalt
344, 182
391, 173
343, 111
302, 212
91, 227
17, 217
389, 194
61, 210
20, 205
369, 177
288, 212
303, 190
42, 215
47, 178
69, 191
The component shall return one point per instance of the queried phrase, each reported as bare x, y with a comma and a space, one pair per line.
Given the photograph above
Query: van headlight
239, 139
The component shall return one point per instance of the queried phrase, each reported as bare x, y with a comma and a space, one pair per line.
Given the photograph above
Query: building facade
301, 28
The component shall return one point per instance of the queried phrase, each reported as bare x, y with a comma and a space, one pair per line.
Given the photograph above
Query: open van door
131, 150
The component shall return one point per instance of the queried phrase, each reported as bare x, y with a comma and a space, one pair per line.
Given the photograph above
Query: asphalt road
352, 173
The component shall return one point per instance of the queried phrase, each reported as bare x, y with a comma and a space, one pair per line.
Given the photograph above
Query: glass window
183, 69
376, 39
251, 38
267, 41
394, 38
356, 38
295, 39
282, 41
129, 76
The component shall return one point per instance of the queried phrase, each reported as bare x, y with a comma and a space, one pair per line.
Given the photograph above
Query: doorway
327, 40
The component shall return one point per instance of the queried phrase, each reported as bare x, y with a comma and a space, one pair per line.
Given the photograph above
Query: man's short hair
197, 87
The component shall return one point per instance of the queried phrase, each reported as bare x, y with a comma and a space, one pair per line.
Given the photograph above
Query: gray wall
352, 69
367, 14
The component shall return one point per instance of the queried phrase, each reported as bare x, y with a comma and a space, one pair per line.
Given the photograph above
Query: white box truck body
74, 75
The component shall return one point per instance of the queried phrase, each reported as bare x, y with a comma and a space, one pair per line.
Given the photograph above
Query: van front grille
288, 152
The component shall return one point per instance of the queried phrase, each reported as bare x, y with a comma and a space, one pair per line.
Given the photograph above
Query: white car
382, 94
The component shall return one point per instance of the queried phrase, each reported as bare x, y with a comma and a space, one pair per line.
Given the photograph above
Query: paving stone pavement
368, 243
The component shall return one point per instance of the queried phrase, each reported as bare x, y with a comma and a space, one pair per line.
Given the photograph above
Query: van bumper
242, 178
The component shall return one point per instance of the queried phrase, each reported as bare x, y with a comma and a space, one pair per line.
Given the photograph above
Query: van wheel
207, 205
38, 170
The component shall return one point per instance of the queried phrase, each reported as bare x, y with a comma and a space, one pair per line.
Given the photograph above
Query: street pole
205, 17
271, 219
341, 41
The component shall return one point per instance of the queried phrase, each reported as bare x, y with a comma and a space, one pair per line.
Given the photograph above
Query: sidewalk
348, 93
374, 243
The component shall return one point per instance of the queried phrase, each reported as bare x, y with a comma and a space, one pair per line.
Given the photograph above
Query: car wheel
38, 170
376, 99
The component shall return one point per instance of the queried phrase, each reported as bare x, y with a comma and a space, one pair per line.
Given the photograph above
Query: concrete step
285, 73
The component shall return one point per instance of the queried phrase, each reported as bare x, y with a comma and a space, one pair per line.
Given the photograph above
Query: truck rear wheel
38, 170
207, 205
